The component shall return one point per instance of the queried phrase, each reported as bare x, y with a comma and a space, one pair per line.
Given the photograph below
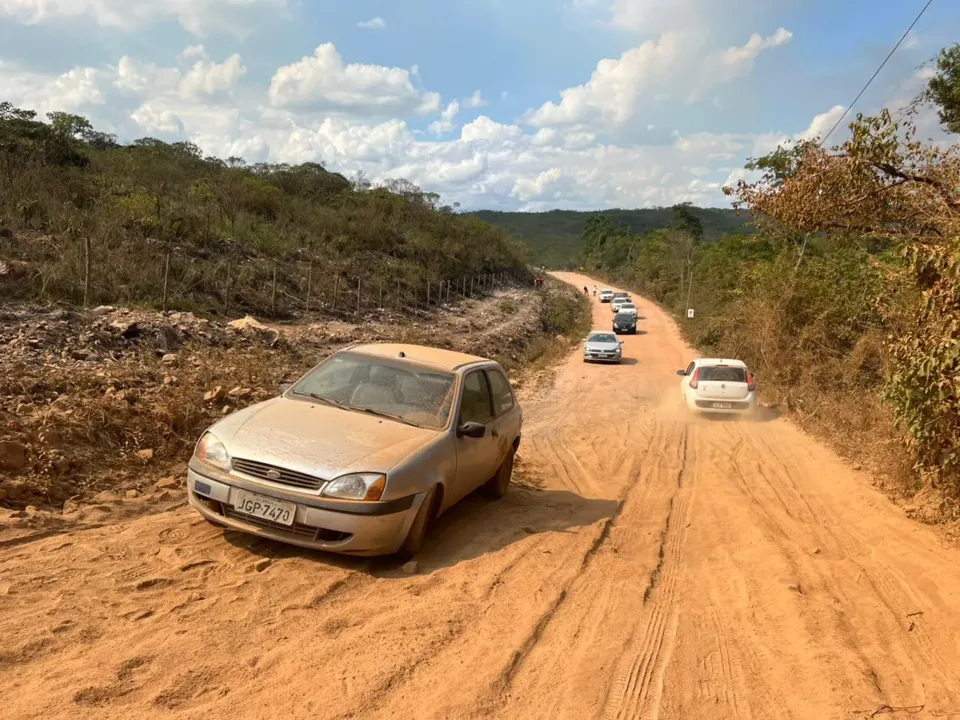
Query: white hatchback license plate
267, 508
723, 406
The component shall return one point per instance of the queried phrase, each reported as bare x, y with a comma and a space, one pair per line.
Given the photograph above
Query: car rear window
624, 317
723, 374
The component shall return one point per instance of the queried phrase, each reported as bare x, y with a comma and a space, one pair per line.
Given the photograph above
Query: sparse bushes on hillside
66, 189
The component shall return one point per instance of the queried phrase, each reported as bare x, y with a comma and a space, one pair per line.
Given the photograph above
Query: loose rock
412, 567
145, 455
213, 395
13, 456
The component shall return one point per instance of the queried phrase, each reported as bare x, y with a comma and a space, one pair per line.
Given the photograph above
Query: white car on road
627, 308
606, 296
713, 385
620, 301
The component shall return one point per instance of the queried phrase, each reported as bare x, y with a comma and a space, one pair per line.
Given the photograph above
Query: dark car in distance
625, 323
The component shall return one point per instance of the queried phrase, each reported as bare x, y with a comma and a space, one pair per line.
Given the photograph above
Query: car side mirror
472, 430
682, 373
284, 387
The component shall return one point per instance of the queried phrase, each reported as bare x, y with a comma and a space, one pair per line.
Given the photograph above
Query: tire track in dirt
636, 692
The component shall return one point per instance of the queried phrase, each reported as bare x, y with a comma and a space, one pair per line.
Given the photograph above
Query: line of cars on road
709, 385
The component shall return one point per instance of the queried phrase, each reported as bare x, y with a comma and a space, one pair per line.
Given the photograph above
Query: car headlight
213, 452
358, 486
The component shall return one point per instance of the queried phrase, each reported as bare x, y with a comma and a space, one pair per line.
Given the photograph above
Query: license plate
722, 406
267, 508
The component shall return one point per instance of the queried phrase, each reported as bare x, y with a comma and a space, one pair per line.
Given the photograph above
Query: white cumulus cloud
377, 23
445, 123
324, 82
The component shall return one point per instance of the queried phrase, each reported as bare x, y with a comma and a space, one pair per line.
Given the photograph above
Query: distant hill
554, 236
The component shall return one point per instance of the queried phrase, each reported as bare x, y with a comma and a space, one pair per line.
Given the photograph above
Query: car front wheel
498, 485
421, 525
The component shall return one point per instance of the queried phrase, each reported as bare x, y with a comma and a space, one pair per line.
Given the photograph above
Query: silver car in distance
602, 346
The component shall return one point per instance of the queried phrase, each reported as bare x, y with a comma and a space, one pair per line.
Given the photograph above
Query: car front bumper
319, 524
611, 358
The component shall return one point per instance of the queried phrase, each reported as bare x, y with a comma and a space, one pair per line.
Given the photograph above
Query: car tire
413, 543
497, 486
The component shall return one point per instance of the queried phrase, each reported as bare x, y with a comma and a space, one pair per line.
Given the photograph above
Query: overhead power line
873, 77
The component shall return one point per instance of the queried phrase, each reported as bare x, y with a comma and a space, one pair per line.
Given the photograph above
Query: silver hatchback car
362, 453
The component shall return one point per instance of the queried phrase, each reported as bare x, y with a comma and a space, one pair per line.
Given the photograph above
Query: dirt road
646, 565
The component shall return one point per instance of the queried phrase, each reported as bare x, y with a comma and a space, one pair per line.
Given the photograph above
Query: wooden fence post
87, 262
226, 292
273, 294
309, 285
166, 280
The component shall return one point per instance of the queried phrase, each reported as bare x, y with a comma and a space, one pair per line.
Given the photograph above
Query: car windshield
628, 306
602, 338
720, 373
624, 317
403, 391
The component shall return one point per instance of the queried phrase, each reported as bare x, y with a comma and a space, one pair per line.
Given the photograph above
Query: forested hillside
554, 237
83, 217
846, 302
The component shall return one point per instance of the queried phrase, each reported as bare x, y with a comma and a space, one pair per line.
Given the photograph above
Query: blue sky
492, 103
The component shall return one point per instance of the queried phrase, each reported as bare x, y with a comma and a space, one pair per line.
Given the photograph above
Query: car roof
430, 357
709, 362
599, 332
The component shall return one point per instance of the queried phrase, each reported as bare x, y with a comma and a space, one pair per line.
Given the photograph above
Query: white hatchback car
627, 309
712, 385
606, 296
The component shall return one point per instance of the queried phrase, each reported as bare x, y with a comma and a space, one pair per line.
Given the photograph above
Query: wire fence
167, 279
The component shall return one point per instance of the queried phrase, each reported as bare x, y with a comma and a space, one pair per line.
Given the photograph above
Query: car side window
502, 394
690, 368
476, 404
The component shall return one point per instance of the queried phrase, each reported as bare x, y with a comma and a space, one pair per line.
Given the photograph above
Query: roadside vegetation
846, 301
84, 218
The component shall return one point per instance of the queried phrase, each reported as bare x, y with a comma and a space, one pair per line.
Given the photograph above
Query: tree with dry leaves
886, 185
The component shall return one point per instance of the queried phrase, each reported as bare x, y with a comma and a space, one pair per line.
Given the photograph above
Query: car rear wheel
498, 485
421, 525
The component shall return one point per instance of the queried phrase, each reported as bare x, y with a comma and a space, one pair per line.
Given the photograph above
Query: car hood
318, 439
